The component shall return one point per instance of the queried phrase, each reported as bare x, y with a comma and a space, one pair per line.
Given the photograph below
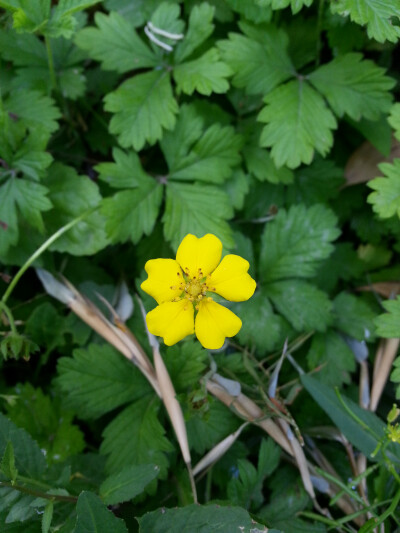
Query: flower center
193, 288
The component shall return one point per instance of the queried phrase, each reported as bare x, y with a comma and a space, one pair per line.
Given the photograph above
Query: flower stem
51, 63
40, 250
38, 493
10, 318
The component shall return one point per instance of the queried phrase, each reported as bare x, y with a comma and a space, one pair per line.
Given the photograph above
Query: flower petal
215, 322
204, 253
163, 274
171, 320
231, 280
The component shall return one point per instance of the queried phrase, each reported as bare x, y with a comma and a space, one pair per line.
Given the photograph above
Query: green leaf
72, 195
194, 155
34, 109
296, 5
94, 517
385, 199
143, 106
47, 517
354, 316
206, 75
130, 214
47, 421
185, 363
31, 16
116, 44
237, 187
366, 440
136, 437
211, 518
196, 209
355, 86
375, 14
126, 172
29, 460
298, 123
256, 311
98, 379
259, 163
127, 484
25, 197
200, 28
395, 374
333, 358
7, 464
302, 304
259, 59
251, 10
388, 324
296, 241
394, 120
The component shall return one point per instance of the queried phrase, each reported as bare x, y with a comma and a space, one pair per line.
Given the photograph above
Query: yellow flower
182, 290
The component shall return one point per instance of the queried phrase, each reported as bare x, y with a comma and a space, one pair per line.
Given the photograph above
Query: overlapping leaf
385, 199
200, 28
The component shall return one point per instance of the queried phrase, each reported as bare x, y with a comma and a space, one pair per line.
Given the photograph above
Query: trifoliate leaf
92, 516
354, 317
296, 5
355, 86
302, 304
200, 28
206, 75
261, 327
130, 214
143, 105
394, 120
126, 172
298, 123
197, 209
98, 379
258, 59
71, 196
20, 197
388, 324
333, 358
127, 484
136, 437
385, 199
33, 109
316, 183
116, 44
375, 14
296, 241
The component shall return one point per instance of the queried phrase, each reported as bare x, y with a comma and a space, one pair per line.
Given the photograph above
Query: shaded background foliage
244, 122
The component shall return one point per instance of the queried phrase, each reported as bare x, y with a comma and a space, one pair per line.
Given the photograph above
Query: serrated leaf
394, 120
72, 195
34, 109
196, 209
259, 59
375, 14
385, 199
185, 363
237, 187
355, 86
29, 460
136, 437
22, 49
251, 10
127, 484
126, 172
296, 5
302, 304
98, 379
31, 16
94, 517
206, 75
296, 241
115, 44
333, 358
260, 164
130, 214
47, 517
196, 155
258, 310
353, 316
388, 324
298, 123
26, 198
143, 107
211, 518
199, 29
395, 374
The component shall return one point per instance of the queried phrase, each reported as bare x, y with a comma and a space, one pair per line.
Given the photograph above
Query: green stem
40, 250
389, 511
51, 63
10, 318
355, 417
38, 493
